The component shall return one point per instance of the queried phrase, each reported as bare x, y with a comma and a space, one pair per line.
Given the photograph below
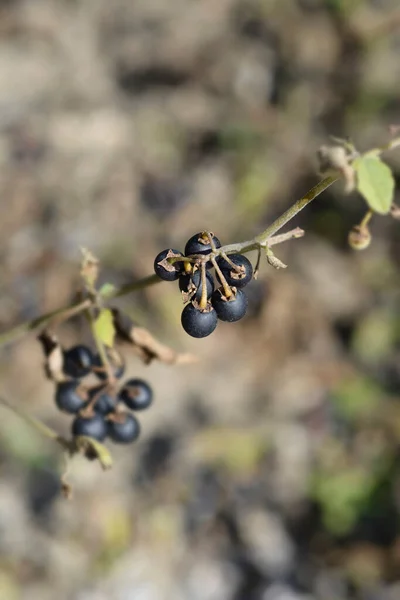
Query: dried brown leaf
145, 344
89, 268
54, 356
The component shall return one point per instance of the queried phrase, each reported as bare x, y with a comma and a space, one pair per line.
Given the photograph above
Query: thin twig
59, 315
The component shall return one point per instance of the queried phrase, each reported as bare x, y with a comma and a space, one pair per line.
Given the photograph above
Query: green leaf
107, 289
375, 183
104, 327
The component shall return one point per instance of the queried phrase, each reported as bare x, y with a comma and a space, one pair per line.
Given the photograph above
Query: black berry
191, 284
168, 272
136, 394
78, 361
200, 244
124, 429
229, 310
241, 278
198, 323
117, 366
94, 427
104, 402
67, 398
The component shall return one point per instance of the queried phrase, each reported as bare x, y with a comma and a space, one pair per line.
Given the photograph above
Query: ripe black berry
104, 402
166, 271
94, 427
78, 361
191, 284
67, 398
200, 244
118, 369
198, 323
233, 277
229, 310
136, 394
124, 428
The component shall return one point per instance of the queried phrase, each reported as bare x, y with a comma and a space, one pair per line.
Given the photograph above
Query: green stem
66, 312
291, 212
366, 219
36, 424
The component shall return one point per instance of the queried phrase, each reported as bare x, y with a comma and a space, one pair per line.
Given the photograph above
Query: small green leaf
107, 289
104, 327
375, 183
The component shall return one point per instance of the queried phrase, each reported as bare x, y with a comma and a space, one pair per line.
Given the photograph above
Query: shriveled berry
191, 284
229, 310
93, 426
67, 398
200, 244
168, 272
78, 361
117, 366
136, 394
238, 279
104, 402
124, 429
198, 323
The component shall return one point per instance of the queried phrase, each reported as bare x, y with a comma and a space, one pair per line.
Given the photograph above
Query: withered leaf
166, 264
54, 356
92, 449
89, 268
145, 344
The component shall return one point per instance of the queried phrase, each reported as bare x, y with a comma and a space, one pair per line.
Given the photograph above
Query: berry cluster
204, 303
101, 410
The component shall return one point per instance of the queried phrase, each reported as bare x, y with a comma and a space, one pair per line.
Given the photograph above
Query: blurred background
269, 470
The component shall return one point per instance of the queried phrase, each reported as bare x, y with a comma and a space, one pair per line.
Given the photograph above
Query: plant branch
59, 315
266, 239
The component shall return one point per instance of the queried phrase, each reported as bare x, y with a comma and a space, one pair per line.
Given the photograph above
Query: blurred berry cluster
103, 409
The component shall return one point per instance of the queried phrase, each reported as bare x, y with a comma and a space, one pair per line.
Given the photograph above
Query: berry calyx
166, 270
231, 309
136, 394
67, 398
78, 361
124, 428
191, 285
117, 366
240, 276
101, 400
199, 323
93, 426
201, 244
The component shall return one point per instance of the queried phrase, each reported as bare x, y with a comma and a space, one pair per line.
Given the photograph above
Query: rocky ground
269, 470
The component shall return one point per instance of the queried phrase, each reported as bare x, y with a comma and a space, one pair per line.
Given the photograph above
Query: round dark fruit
118, 369
200, 244
229, 310
165, 272
124, 429
199, 323
67, 398
191, 284
94, 427
136, 394
104, 402
78, 361
238, 279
